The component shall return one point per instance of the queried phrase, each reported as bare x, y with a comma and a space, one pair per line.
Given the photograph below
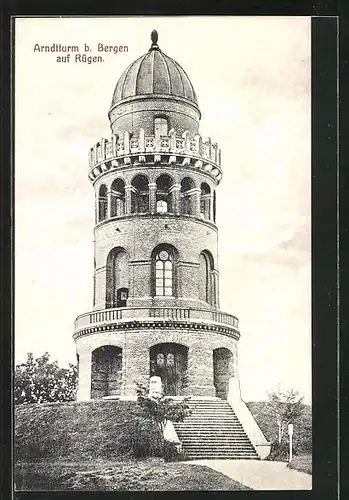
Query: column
84, 386
196, 193
109, 204
211, 206
128, 193
215, 284
96, 208
152, 197
175, 193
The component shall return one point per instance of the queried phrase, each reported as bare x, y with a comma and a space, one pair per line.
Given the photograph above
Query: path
260, 474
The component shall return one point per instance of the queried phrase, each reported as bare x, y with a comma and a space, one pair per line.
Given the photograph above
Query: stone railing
120, 151
129, 314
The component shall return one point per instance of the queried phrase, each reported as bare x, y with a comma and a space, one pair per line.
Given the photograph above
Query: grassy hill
88, 446
106, 429
302, 429
77, 431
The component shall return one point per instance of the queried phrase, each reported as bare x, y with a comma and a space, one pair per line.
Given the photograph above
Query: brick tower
156, 280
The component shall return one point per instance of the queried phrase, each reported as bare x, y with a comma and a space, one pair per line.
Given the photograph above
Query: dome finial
154, 39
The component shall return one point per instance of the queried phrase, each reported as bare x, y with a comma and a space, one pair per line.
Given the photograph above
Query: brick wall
139, 235
136, 344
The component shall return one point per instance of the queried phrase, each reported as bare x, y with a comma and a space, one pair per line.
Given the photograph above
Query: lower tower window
163, 273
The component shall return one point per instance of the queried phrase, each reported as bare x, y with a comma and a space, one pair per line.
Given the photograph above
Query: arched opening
205, 201
206, 281
106, 371
160, 125
223, 369
169, 361
102, 203
117, 198
186, 196
163, 194
163, 270
117, 278
140, 195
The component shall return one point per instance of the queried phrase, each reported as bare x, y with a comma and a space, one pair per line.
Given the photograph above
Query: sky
252, 79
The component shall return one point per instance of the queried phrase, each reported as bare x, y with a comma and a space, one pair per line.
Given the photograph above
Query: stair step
213, 431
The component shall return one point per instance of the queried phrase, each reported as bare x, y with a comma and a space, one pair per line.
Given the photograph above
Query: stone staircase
213, 432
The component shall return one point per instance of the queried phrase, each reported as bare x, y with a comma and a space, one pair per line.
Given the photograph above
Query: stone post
126, 142
141, 140
84, 391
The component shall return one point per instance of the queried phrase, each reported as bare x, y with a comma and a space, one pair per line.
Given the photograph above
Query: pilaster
152, 197
175, 192
128, 197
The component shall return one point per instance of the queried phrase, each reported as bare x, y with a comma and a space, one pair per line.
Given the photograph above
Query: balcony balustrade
129, 314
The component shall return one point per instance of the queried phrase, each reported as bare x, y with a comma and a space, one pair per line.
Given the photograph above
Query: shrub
142, 438
172, 454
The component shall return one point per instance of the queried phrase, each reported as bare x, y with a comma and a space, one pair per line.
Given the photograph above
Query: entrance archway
223, 369
106, 372
170, 361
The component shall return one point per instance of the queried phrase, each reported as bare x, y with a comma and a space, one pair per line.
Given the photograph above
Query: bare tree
287, 406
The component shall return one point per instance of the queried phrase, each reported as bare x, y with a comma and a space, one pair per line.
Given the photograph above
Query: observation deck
198, 153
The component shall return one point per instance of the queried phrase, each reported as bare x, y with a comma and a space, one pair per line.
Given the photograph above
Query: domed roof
154, 73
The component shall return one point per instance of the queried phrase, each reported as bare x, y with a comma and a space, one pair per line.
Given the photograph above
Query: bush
172, 454
142, 438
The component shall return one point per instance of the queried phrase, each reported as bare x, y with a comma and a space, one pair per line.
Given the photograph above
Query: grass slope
76, 431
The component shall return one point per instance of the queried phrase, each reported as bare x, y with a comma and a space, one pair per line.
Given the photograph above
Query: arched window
102, 203
117, 278
187, 185
160, 125
206, 281
164, 259
106, 371
117, 198
164, 194
205, 201
164, 274
140, 195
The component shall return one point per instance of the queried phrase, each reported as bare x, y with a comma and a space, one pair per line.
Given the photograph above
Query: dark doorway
222, 371
121, 297
106, 375
169, 361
